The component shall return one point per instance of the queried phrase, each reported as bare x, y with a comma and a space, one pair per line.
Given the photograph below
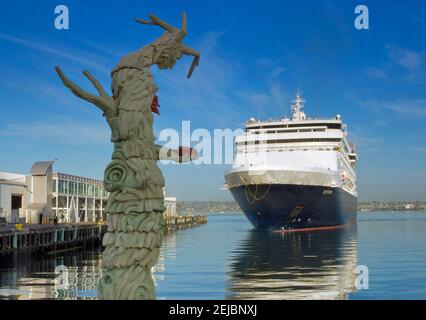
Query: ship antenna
297, 106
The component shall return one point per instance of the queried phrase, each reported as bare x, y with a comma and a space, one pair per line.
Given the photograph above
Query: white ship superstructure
296, 151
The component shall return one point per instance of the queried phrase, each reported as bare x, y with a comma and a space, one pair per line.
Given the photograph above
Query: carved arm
105, 102
181, 155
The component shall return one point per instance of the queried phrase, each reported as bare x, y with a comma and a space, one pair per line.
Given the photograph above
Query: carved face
166, 60
169, 50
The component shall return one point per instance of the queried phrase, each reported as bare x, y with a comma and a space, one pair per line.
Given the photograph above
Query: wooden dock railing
48, 237
57, 237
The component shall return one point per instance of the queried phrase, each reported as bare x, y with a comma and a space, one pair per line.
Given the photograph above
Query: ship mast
296, 108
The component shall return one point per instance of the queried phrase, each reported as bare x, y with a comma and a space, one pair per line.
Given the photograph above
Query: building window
73, 187
63, 186
90, 190
81, 189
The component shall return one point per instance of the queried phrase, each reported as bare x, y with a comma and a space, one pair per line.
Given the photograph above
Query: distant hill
392, 206
184, 207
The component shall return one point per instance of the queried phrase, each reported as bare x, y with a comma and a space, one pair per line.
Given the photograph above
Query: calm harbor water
226, 259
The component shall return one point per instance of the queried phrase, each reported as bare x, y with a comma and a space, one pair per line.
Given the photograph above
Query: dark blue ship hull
289, 207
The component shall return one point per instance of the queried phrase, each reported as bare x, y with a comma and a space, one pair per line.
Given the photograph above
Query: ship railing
330, 147
258, 121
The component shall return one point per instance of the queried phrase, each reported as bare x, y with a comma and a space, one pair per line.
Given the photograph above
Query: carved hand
180, 155
105, 102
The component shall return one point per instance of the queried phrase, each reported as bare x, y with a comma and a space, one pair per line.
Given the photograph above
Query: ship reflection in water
305, 265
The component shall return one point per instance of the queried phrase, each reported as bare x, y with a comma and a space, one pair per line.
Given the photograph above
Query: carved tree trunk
136, 202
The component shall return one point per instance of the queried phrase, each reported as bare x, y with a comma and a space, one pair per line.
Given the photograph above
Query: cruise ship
296, 173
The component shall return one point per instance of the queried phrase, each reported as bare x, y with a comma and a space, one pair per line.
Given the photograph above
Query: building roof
11, 176
12, 179
13, 183
67, 176
42, 167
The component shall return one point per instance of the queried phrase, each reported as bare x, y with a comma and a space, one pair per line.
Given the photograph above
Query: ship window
281, 131
286, 131
328, 125
299, 125
290, 141
304, 140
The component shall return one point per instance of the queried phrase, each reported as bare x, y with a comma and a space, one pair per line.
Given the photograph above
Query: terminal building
44, 196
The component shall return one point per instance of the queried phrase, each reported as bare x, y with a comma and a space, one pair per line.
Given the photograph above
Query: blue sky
255, 54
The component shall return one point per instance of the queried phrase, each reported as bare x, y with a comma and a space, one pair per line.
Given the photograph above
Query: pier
58, 237
48, 237
183, 222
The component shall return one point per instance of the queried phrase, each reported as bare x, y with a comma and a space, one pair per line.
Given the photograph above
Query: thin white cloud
273, 68
103, 48
364, 141
57, 132
36, 87
406, 58
375, 73
48, 49
419, 149
215, 88
400, 64
380, 123
46, 95
414, 108
275, 97
210, 91
406, 107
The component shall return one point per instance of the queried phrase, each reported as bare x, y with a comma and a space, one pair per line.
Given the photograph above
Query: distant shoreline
231, 207
392, 210
360, 211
